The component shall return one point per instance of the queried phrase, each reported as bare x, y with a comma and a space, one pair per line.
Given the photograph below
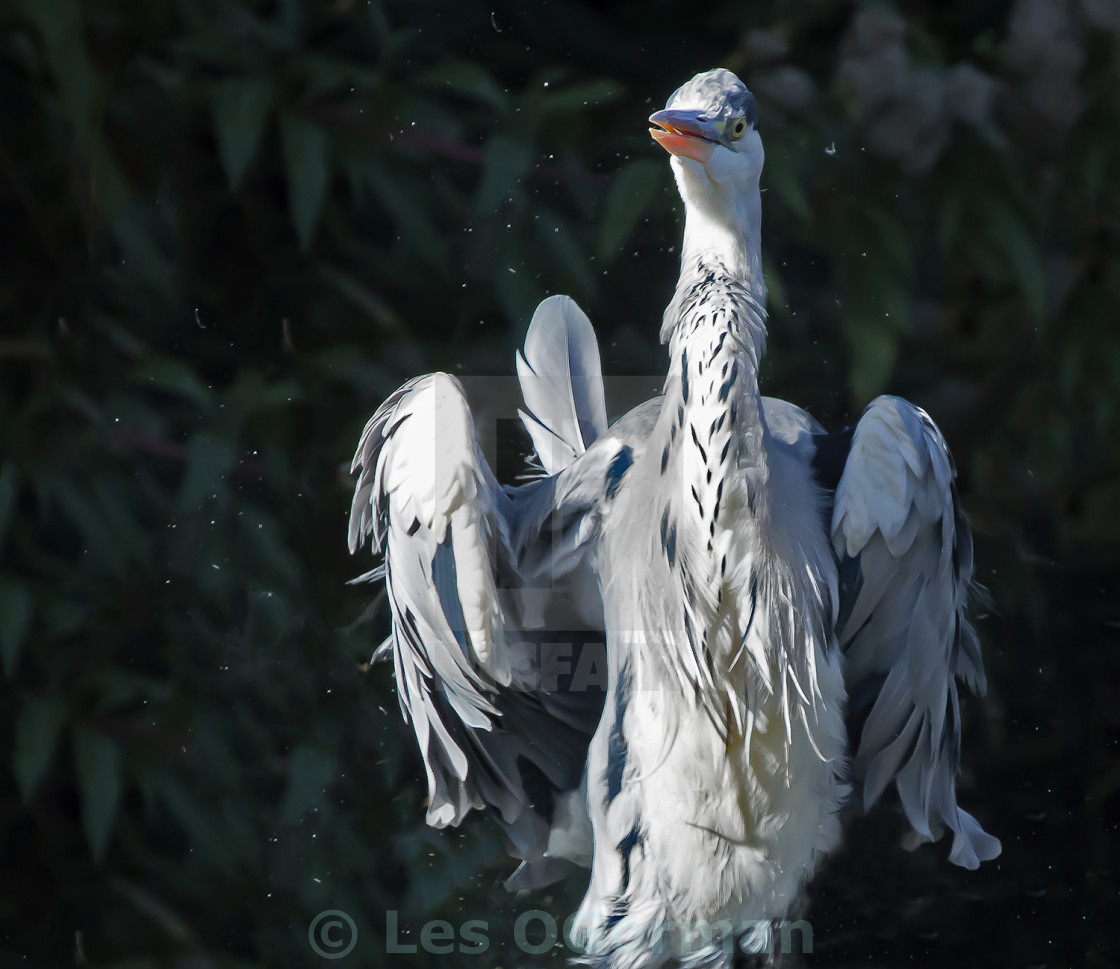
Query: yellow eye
739, 128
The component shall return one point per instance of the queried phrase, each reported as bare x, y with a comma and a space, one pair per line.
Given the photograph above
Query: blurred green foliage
234, 226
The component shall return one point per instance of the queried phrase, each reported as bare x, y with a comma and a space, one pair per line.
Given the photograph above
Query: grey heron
784, 610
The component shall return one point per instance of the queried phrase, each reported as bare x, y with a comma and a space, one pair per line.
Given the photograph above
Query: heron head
710, 127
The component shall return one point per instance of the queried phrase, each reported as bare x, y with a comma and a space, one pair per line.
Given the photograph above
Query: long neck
736, 242
715, 345
716, 331
733, 246
720, 288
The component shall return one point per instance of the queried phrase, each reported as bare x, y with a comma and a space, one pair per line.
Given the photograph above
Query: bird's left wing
905, 555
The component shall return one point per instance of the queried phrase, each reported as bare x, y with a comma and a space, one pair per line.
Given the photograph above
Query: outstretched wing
428, 499
905, 556
470, 678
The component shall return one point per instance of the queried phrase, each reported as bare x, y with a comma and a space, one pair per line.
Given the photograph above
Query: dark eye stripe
750, 111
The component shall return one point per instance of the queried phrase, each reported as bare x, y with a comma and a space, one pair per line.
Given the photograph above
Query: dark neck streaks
711, 392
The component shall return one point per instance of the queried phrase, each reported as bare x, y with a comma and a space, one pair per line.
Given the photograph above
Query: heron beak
687, 134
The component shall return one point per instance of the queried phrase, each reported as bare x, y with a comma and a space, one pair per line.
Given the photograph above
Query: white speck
831, 149
494, 21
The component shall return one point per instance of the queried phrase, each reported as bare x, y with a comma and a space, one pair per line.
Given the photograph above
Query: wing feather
896, 519
562, 383
428, 501
467, 671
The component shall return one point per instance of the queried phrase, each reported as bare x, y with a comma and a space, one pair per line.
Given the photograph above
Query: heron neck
716, 330
712, 386
717, 317
732, 246
735, 242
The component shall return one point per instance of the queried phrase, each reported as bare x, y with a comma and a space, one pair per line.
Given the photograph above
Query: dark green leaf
60, 27
306, 160
241, 108
98, 762
145, 261
16, 610
37, 729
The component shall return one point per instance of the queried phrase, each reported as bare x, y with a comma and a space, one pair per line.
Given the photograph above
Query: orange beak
685, 134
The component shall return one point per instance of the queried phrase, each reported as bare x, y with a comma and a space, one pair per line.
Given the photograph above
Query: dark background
231, 228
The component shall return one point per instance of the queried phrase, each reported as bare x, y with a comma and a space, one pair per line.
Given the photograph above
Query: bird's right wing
427, 498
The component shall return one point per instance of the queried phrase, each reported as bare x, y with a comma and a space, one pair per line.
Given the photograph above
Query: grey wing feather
906, 566
469, 679
562, 383
427, 499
